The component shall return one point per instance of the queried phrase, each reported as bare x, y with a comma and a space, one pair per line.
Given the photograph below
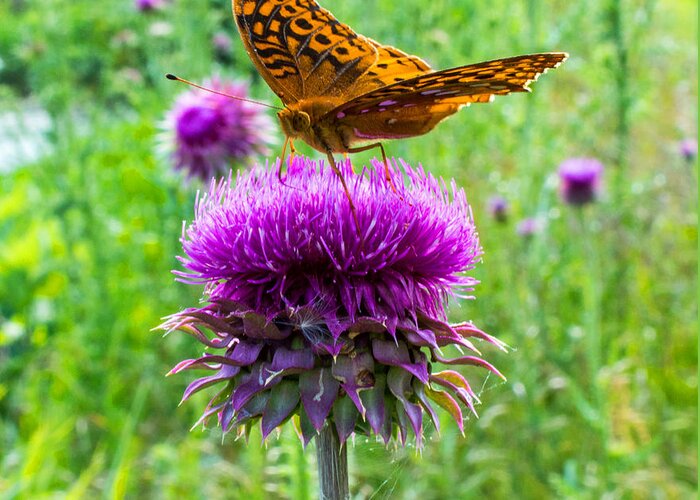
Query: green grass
599, 307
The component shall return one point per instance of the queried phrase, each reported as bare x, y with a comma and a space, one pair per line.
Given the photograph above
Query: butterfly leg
337, 171
387, 171
284, 152
292, 149
287, 142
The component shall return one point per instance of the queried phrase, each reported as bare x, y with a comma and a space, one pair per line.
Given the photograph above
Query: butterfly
345, 93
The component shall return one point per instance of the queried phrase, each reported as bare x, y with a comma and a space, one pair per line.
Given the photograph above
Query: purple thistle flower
689, 149
308, 319
498, 207
222, 44
148, 5
528, 227
208, 132
580, 180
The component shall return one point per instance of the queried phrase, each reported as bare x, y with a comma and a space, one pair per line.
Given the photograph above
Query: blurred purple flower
689, 149
131, 76
580, 180
209, 133
498, 207
222, 44
313, 321
125, 38
148, 5
528, 227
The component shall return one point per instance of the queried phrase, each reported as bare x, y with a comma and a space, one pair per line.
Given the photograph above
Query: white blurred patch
23, 136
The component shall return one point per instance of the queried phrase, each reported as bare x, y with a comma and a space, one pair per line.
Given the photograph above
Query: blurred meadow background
598, 302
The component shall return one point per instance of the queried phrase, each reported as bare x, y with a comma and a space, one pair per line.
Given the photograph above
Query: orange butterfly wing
391, 66
302, 51
353, 88
414, 106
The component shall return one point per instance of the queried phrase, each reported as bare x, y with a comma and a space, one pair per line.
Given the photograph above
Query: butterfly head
295, 123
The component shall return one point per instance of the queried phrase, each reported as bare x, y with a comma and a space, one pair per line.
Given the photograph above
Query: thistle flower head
207, 133
689, 149
148, 5
580, 180
498, 207
222, 44
528, 227
318, 318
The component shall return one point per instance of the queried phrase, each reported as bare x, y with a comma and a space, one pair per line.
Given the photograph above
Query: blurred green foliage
599, 306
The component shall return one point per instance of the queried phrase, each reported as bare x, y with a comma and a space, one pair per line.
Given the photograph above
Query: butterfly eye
301, 121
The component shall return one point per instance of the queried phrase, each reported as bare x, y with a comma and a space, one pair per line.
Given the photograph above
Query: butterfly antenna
170, 76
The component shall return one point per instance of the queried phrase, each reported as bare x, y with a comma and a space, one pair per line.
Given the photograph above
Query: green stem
622, 101
619, 182
591, 281
332, 466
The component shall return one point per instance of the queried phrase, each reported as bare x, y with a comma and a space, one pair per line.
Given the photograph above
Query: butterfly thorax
306, 120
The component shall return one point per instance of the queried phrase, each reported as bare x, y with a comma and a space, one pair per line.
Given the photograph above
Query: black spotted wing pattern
301, 50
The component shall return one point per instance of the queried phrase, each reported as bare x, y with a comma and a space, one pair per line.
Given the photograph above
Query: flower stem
332, 466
